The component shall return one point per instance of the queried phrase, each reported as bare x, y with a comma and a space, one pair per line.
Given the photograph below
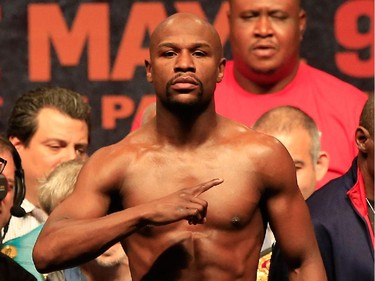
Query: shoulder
110, 163
246, 136
265, 152
122, 150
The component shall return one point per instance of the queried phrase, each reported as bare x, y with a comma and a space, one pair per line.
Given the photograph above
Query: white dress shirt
20, 226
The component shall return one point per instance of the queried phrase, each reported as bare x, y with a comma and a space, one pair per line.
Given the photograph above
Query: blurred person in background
11, 194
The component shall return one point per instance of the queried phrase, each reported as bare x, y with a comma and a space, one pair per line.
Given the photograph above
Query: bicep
90, 197
287, 211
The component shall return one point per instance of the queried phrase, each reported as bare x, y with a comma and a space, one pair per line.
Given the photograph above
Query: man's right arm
78, 229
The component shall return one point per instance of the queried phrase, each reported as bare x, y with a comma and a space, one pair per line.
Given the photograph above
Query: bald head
186, 23
298, 3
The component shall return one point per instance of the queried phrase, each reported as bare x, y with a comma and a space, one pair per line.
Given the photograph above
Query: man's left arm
290, 220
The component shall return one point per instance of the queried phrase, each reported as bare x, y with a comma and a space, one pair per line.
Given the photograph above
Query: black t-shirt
12, 271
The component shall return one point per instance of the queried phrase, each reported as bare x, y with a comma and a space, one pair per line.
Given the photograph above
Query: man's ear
148, 71
362, 136
18, 144
322, 164
220, 75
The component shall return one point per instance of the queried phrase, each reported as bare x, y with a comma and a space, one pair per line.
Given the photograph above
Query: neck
265, 82
190, 129
32, 192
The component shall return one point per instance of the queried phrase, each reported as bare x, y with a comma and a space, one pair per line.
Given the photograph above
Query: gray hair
59, 184
284, 119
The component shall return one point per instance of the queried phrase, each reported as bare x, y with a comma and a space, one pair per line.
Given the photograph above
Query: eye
249, 16
81, 151
279, 15
54, 146
199, 53
169, 54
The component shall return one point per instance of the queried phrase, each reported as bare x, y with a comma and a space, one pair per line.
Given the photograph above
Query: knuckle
200, 209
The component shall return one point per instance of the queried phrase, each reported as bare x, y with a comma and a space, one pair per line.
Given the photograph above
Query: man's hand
183, 204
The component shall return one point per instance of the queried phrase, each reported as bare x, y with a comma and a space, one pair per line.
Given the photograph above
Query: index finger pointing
199, 189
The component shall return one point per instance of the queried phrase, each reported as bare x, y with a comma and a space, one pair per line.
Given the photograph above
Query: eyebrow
59, 140
270, 11
194, 45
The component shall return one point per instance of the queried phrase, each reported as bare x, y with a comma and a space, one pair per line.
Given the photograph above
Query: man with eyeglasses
9, 269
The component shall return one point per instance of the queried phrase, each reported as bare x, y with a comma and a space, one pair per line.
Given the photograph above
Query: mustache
184, 78
262, 43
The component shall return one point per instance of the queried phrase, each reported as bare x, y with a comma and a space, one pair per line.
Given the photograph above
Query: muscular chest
231, 205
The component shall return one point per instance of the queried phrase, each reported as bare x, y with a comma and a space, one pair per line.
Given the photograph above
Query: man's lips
264, 49
185, 80
184, 83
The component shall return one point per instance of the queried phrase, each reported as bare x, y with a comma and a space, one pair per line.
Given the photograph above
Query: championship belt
264, 265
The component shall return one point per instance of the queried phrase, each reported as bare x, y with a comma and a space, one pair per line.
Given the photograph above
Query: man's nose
184, 62
71, 153
263, 27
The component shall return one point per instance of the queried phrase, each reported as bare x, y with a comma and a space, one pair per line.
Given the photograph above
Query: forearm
70, 242
311, 269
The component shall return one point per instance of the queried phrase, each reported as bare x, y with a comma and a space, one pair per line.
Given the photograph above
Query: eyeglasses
3, 163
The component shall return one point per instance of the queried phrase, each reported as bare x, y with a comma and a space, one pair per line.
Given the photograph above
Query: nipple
236, 221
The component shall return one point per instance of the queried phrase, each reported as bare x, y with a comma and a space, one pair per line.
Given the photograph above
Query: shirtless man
196, 189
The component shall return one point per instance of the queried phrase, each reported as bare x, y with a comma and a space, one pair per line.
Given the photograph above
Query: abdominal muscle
184, 252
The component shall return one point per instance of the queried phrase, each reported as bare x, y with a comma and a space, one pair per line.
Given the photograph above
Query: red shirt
334, 105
